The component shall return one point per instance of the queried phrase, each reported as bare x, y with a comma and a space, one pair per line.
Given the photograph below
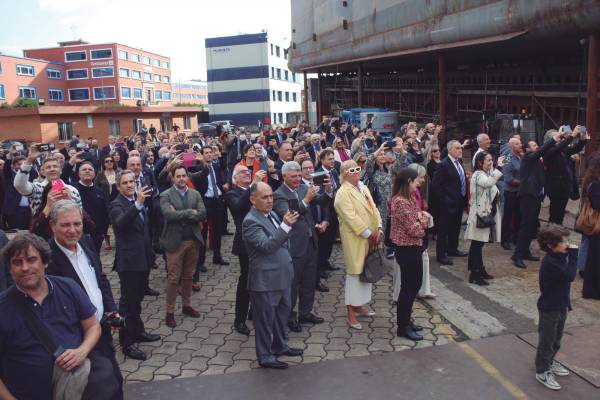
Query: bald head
134, 164
514, 144
261, 197
483, 141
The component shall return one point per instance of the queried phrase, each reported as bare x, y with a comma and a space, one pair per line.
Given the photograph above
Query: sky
173, 28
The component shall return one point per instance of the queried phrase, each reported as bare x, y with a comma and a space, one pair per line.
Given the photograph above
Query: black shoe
416, 328
477, 278
227, 233
409, 333
291, 352
202, 268
151, 292
324, 275
276, 364
445, 261
249, 317
147, 337
241, 328
518, 262
321, 287
485, 275
581, 274
134, 352
330, 267
294, 326
458, 253
506, 246
310, 319
530, 257
220, 261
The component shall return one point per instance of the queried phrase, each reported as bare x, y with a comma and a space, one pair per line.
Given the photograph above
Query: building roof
31, 59
53, 110
236, 40
82, 43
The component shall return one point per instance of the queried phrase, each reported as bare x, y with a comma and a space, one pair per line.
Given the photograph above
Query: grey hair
419, 168
452, 143
549, 135
62, 206
290, 166
480, 137
122, 173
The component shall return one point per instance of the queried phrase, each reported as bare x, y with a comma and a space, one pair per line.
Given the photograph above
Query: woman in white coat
483, 208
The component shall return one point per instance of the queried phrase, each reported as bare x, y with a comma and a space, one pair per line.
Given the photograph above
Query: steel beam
360, 85
306, 100
591, 115
442, 89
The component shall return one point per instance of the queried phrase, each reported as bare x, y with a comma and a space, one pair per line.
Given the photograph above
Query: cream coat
483, 186
356, 212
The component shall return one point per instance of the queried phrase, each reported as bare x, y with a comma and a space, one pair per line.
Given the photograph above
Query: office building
194, 91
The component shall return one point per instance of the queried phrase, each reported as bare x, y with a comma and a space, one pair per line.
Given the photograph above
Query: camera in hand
294, 205
46, 147
113, 320
389, 144
319, 177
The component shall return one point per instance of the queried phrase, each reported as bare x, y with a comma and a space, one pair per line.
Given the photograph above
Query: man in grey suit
183, 210
293, 195
270, 275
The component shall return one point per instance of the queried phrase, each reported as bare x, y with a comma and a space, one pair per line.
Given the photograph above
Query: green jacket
176, 216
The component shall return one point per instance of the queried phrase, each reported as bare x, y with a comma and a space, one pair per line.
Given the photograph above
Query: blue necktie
461, 174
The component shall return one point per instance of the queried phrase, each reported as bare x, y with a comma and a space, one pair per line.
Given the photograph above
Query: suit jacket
133, 248
238, 201
271, 267
303, 233
533, 176
12, 197
336, 178
200, 178
447, 186
60, 265
4, 274
560, 178
176, 215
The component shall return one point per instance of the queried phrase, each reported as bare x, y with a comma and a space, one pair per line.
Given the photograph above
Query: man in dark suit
133, 257
303, 243
450, 188
270, 275
530, 194
94, 201
238, 201
314, 147
15, 208
72, 258
327, 239
96, 154
112, 146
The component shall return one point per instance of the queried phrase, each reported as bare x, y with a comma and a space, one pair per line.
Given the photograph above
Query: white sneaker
547, 379
558, 369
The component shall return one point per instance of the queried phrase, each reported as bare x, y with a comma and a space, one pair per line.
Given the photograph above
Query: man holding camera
73, 258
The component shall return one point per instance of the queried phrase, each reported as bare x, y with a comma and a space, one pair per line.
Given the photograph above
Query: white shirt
87, 276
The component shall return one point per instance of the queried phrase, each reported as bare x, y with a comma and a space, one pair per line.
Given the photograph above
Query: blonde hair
346, 165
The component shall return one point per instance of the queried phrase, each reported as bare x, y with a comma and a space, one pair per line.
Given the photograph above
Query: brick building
194, 91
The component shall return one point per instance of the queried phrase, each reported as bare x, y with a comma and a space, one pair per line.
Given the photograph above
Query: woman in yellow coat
360, 226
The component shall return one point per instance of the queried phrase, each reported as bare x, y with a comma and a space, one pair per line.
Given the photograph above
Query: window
27, 92
148, 76
165, 64
137, 125
104, 92
103, 72
90, 121
55, 95
2, 92
137, 93
134, 57
287, 96
187, 123
294, 97
286, 75
123, 55
100, 54
280, 116
72, 56
157, 95
146, 60
285, 53
278, 73
65, 131
123, 72
166, 79
82, 94
279, 98
293, 77
77, 74
156, 63
53, 73
125, 92
157, 78
136, 74
271, 48
166, 95
26, 70
277, 53
0, 67
114, 127
273, 72
274, 96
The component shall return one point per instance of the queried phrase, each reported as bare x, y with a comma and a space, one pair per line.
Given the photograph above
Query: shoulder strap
36, 326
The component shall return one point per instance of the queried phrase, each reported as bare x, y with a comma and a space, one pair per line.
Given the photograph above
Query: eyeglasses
108, 161
435, 151
354, 170
361, 161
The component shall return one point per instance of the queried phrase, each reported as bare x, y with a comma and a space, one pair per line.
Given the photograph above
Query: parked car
208, 129
225, 125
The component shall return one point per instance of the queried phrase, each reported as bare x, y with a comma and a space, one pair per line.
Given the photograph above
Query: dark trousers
20, 219
510, 215
448, 231
475, 261
303, 284
326, 242
102, 382
98, 239
270, 311
529, 207
557, 209
106, 348
550, 329
133, 285
214, 215
242, 295
410, 260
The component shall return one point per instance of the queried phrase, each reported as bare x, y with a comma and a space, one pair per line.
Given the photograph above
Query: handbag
374, 266
485, 221
588, 220
66, 384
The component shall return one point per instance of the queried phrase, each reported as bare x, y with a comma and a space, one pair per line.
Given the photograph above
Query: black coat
446, 187
559, 175
95, 203
238, 202
200, 178
533, 176
60, 265
133, 248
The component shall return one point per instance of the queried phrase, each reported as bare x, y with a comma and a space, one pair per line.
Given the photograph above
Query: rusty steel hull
391, 28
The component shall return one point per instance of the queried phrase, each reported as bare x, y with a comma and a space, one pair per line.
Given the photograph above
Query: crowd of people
290, 193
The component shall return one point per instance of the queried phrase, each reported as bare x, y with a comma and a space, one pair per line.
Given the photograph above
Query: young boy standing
557, 271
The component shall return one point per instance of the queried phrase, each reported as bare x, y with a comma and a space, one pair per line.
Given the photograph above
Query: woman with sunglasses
106, 180
360, 228
340, 152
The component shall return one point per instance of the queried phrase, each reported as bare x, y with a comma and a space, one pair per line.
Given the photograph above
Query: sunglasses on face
435, 151
108, 161
354, 170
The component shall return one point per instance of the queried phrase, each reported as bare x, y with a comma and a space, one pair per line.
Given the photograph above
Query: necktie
141, 212
272, 219
461, 174
213, 181
333, 185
